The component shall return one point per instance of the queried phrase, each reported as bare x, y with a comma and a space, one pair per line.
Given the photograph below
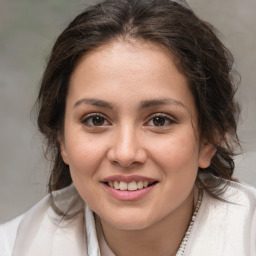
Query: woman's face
131, 123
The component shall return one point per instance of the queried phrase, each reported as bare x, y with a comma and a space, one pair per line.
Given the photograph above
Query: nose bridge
126, 147
127, 139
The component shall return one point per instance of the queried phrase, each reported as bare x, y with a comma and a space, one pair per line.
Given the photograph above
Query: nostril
126, 165
126, 151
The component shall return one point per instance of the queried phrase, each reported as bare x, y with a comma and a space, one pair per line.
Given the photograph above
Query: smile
129, 186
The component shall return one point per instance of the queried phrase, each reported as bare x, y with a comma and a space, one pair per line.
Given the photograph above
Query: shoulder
232, 221
231, 193
240, 194
229, 222
41, 220
10, 229
8, 232
241, 204
238, 201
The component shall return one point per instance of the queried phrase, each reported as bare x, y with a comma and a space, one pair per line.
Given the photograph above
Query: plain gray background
28, 29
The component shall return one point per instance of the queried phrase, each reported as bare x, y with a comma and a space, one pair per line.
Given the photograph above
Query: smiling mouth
130, 186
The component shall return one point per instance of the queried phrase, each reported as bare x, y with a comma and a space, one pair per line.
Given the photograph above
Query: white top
220, 228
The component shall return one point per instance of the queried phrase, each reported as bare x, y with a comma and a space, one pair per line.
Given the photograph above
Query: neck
160, 238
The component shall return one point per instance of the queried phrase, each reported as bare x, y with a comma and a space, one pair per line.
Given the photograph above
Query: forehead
133, 54
135, 70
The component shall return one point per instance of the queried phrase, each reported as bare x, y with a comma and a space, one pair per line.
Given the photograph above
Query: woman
137, 106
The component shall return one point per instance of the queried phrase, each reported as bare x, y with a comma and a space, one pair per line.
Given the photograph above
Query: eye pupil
159, 121
98, 120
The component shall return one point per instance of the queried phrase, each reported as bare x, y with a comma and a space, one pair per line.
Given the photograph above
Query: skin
124, 76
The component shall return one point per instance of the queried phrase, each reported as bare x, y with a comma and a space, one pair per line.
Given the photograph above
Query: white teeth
123, 185
140, 185
145, 183
131, 186
116, 184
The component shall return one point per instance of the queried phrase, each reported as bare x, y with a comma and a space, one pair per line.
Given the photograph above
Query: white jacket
220, 228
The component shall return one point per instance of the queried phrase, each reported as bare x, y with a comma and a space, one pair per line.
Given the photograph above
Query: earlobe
63, 149
207, 152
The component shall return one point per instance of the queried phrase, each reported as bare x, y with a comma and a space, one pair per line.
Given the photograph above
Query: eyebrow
157, 102
144, 104
94, 102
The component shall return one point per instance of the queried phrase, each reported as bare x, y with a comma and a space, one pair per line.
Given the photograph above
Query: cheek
177, 153
85, 158
177, 157
85, 155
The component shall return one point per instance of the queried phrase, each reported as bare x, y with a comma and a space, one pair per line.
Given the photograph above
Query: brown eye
159, 121
95, 120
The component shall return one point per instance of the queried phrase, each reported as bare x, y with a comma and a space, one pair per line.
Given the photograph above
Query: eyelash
166, 118
88, 120
90, 117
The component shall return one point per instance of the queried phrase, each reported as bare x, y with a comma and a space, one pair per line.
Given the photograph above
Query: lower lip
129, 195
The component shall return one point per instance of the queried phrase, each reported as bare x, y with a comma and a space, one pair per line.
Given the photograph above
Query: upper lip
128, 178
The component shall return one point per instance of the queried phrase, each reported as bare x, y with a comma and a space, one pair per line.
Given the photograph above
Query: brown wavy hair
198, 53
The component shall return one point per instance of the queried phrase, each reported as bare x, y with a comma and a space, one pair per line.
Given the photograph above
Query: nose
127, 148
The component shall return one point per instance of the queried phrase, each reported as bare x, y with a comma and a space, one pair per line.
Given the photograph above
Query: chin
129, 222
130, 225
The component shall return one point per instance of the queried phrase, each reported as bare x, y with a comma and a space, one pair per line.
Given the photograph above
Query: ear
207, 151
63, 151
